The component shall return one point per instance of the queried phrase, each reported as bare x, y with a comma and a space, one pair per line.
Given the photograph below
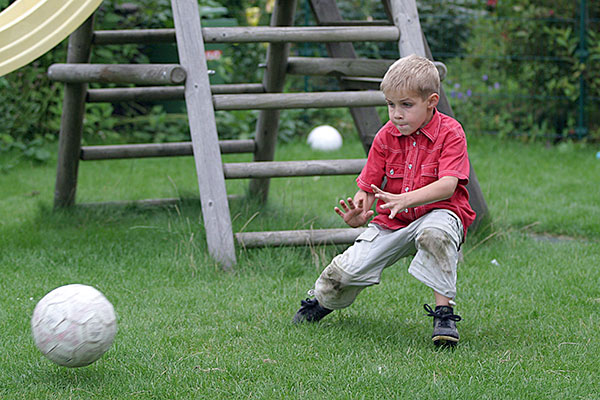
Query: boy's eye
389, 103
407, 104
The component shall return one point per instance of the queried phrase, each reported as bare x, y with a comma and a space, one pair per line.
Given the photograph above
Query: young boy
420, 158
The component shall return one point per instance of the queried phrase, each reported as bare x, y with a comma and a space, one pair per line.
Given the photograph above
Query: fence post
582, 129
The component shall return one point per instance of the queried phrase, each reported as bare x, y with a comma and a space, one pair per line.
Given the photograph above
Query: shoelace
307, 302
438, 314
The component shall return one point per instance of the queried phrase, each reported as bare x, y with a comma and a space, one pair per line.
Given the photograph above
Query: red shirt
411, 162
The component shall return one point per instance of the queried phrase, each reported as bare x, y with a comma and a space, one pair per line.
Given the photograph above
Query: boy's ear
433, 100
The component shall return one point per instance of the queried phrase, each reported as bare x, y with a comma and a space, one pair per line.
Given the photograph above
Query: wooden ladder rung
338, 66
140, 74
154, 93
164, 202
256, 34
112, 152
375, 22
278, 169
346, 67
298, 238
149, 93
266, 101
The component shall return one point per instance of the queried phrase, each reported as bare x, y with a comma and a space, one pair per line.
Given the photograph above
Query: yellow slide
29, 28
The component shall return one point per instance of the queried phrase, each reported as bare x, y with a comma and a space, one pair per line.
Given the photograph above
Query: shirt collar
432, 129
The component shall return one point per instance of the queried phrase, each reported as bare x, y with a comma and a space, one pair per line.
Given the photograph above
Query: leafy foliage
515, 68
522, 73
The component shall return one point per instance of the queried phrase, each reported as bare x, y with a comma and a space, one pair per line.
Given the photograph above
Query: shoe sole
444, 340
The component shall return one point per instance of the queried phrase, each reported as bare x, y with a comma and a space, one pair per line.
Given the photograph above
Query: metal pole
582, 130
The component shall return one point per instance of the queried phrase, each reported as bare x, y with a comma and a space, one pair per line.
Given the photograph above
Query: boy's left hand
394, 202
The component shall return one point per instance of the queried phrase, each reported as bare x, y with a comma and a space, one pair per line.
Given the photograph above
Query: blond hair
413, 74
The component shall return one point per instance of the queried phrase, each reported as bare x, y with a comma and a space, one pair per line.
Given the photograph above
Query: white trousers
435, 238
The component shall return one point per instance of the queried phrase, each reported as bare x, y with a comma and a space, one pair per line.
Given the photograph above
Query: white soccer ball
73, 325
324, 138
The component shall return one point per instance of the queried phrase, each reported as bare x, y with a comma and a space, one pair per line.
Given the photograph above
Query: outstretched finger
351, 203
338, 211
344, 206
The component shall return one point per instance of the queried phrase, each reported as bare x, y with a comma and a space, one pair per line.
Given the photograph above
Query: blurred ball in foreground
324, 138
73, 325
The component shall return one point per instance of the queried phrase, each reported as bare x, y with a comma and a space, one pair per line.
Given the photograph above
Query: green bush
520, 75
492, 84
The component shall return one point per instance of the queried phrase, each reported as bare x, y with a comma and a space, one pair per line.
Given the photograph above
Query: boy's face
408, 111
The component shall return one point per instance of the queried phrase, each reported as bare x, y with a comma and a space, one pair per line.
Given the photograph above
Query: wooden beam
346, 67
280, 169
134, 36
346, 22
203, 130
476, 197
414, 42
71, 123
144, 150
281, 101
406, 17
256, 34
164, 202
338, 66
140, 74
298, 238
366, 119
267, 124
156, 93
233, 88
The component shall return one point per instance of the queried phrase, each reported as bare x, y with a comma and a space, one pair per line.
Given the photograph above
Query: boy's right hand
353, 214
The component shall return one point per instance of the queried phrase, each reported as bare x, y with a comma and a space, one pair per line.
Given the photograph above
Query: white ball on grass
324, 138
73, 325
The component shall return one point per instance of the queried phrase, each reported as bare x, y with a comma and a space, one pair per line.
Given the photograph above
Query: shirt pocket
394, 173
429, 173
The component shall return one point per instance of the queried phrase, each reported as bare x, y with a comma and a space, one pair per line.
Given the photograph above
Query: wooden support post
71, 125
203, 129
476, 198
406, 18
366, 119
267, 125
413, 41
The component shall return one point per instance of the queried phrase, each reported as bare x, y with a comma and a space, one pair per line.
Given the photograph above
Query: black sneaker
444, 325
310, 311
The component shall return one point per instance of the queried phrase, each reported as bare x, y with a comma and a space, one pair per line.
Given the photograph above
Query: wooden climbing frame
189, 80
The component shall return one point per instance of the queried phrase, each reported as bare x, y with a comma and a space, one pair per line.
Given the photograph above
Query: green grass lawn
188, 330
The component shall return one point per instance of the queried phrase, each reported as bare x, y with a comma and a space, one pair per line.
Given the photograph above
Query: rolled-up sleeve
454, 160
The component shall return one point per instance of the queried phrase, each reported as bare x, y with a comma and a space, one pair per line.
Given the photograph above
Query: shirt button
391, 172
406, 211
409, 166
406, 190
414, 144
